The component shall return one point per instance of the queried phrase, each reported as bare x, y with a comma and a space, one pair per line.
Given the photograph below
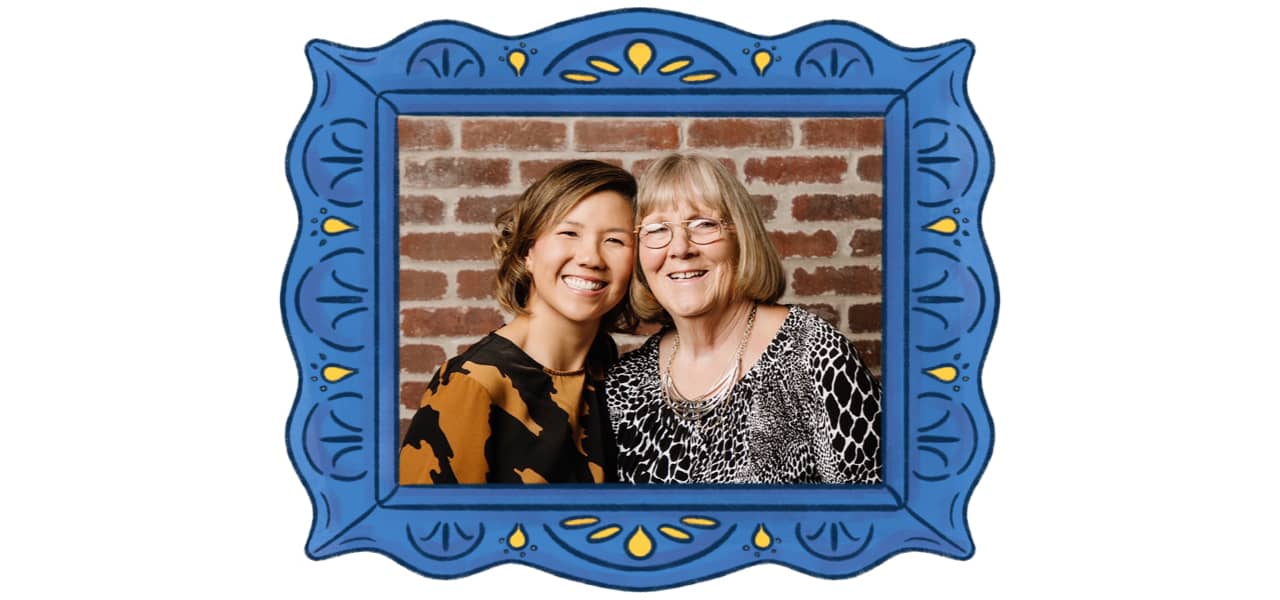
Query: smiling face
689, 280
581, 266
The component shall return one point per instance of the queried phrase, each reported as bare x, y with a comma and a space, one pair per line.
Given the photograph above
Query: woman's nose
589, 255
680, 244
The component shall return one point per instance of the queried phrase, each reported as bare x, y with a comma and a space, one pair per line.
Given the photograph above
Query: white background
146, 221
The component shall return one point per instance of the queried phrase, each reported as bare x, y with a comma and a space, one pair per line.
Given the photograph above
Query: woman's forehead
679, 208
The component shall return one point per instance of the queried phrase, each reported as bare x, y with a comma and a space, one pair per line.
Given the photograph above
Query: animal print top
807, 412
494, 415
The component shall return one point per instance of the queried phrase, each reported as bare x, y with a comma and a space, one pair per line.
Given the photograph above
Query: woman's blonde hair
704, 182
544, 204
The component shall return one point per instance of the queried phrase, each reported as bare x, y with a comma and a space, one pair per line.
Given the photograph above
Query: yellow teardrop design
699, 521
517, 60
639, 53
517, 539
334, 225
945, 225
639, 545
674, 66
762, 59
674, 533
605, 66
579, 522
762, 539
945, 373
335, 373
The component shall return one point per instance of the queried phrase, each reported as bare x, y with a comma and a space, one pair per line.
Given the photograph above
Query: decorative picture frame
339, 298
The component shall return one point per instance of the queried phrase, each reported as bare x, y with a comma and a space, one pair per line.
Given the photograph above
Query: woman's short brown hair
701, 181
544, 204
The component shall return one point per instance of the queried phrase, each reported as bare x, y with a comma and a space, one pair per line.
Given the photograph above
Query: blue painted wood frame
339, 298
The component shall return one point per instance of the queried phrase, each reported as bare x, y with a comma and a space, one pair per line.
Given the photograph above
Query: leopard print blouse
807, 412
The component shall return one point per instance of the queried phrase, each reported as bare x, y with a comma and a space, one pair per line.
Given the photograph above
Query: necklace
691, 410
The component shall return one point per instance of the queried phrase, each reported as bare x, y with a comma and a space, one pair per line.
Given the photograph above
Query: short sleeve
852, 398
445, 440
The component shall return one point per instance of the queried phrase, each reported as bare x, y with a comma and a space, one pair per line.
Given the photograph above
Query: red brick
452, 172
864, 317
420, 358
504, 134
640, 166
411, 395
841, 280
767, 205
797, 169
866, 242
799, 243
835, 207
476, 284
826, 311
740, 133
871, 168
404, 430
420, 209
425, 322
533, 170
422, 285
869, 352
483, 209
610, 136
423, 134
842, 133
447, 246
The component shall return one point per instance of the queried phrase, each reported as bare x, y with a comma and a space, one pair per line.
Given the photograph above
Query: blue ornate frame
339, 298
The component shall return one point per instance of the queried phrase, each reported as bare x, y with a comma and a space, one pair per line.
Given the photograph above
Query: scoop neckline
548, 370
656, 353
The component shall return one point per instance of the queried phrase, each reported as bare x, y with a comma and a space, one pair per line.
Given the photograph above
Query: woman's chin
689, 310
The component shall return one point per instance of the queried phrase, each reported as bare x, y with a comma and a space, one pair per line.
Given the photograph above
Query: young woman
521, 404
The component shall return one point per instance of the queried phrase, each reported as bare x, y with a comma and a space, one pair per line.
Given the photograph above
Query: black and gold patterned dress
494, 415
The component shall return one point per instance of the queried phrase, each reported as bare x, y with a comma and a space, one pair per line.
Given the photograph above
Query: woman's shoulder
639, 360
488, 362
811, 328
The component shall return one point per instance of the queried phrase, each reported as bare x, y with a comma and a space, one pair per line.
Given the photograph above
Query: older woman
736, 389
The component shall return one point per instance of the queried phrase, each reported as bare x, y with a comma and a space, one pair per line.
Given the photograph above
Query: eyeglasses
699, 231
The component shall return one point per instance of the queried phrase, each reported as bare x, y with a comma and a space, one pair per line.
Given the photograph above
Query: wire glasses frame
700, 231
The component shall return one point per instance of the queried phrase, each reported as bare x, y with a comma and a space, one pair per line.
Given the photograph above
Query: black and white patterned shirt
807, 412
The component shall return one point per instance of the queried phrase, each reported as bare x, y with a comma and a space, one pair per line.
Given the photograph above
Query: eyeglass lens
700, 231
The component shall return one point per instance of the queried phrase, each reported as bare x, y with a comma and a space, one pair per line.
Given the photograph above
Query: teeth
687, 274
579, 283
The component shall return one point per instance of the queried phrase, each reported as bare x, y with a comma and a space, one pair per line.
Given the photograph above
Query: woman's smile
584, 284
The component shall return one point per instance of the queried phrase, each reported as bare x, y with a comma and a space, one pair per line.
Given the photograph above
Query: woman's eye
654, 228
567, 233
615, 240
702, 224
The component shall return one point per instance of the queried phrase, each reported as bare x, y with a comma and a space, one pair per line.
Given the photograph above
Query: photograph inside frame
815, 184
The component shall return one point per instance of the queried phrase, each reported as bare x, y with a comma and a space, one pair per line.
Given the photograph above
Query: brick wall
816, 181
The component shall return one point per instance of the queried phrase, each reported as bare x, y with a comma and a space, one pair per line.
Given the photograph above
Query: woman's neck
556, 344
707, 334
